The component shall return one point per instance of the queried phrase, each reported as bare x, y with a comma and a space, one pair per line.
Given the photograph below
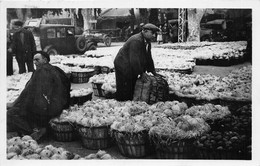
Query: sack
154, 90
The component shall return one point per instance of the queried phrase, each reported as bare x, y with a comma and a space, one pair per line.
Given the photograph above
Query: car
214, 30
97, 37
59, 39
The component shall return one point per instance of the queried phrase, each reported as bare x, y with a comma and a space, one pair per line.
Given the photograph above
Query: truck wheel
107, 41
52, 51
81, 44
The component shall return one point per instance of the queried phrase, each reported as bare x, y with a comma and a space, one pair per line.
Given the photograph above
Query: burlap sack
154, 90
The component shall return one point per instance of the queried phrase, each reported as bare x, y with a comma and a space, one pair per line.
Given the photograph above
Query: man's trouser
24, 123
21, 60
124, 86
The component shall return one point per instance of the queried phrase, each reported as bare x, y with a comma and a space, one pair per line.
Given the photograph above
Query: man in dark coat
9, 56
23, 46
44, 97
132, 60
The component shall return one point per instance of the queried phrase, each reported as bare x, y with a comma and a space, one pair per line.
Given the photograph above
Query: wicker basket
95, 137
62, 131
173, 149
80, 99
81, 77
133, 145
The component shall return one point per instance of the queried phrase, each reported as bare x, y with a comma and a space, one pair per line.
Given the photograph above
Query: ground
76, 146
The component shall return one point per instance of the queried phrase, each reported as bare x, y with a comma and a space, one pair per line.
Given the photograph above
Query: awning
115, 12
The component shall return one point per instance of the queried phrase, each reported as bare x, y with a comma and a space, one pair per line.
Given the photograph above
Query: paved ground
76, 146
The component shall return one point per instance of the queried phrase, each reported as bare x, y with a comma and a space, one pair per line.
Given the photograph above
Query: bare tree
87, 16
194, 18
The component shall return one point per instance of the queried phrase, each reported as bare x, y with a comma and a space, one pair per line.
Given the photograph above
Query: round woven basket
81, 77
133, 145
95, 137
167, 148
63, 131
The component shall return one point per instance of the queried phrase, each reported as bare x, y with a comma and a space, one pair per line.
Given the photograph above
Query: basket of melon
131, 136
174, 140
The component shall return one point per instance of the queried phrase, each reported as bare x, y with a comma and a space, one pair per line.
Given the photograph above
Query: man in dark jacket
132, 60
23, 46
9, 56
44, 97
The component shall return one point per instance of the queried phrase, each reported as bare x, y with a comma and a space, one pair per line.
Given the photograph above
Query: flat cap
44, 54
18, 23
150, 26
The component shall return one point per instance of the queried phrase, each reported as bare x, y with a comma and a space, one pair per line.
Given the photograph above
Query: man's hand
156, 74
9, 50
144, 77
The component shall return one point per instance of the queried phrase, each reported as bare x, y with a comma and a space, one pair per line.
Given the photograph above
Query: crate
80, 99
63, 131
81, 77
133, 145
95, 137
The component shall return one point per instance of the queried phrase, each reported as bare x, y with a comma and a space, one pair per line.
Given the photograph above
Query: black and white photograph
159, 83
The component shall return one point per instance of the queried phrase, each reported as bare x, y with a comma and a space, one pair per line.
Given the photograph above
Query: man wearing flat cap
44, 97
23, 46
133, 60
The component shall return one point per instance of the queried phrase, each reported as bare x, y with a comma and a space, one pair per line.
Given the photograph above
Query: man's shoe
38, 133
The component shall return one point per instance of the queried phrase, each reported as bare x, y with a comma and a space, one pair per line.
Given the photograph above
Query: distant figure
165, 33
23, 46
159, 35
128, 33
9, 58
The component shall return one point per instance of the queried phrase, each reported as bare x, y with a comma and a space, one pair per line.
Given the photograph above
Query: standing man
9, 58
133, 60
23, 46
165, 33
44, 97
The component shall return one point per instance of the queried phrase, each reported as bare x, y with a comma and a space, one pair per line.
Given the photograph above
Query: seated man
44, 97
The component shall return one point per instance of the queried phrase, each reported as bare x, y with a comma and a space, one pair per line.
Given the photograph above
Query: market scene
129, 83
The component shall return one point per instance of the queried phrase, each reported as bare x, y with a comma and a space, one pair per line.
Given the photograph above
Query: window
61, 33
51, 33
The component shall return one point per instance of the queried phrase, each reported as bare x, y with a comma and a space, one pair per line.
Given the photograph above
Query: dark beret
18, 23
150, 26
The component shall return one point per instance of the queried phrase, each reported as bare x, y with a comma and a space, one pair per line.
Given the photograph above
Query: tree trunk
87, 16
137, 16
19, 14
28, 13
194, 18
